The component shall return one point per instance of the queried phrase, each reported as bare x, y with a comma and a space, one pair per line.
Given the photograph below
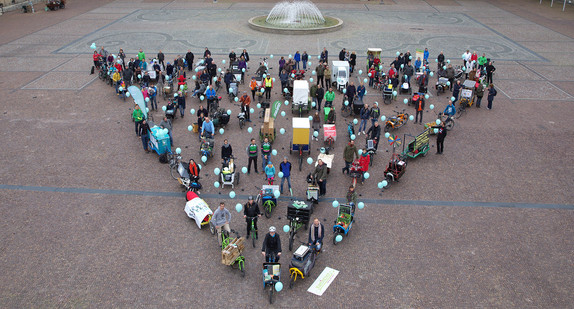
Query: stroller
228, 174
220, 118
441, 85
388, 93
206, 147
312, 190
405, 86
171, 109
232, 91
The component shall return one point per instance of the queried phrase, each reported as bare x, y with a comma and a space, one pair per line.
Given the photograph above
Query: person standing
252, 153
245, 56
441, 134
365, 114
207, 128
285, 168
144, 133
320, 175
466, 57
265, 153
181, 105
324, 55
374, 133
426, 55
319, 96
232, 57
251, 212
245, 103
456, 90
166, 124
270, 172
351, 92
489, 71
253, 86
419, 107
271, 249
282, 64
479, 94
352, 62
481, 62
226, 152
189, 59
268, 86
316, 125
305, 59
297, 58
375, 113
161, 58
349, 154
491, 94
329, 98
221, 218
316, 233
364, 162
327, 74
138, 116
152, 92
141, 56
450, 75
361, 90
320, 70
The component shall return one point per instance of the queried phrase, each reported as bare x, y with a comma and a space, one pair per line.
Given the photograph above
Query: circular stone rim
279, 30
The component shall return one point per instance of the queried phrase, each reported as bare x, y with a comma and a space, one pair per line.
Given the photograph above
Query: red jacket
364, 161
97, 56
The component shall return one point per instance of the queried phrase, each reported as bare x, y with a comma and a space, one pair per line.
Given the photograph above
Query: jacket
320, 69
166, 124
137, 115
361, 91
480, 91
210, 93
420, 104
251, 211
349, 153
374, 132
330, 96
365, 113
221, 216
271, 244
320, 172
351, 91
316, 234
285, 168
297, 57
491, 93
332, 116
226, 151
270, 171
253, 84
441, 134
364, 161
208, 126
313, 91
321, 93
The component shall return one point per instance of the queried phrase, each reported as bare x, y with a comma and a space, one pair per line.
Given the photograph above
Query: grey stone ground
488, 224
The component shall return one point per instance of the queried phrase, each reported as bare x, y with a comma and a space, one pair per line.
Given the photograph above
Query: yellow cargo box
301, 130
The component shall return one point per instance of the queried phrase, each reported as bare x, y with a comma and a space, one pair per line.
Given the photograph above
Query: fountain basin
331, 24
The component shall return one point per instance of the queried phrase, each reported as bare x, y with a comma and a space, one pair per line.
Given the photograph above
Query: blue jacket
207, 126
270, 171
297, 57
365, 113
361, 91
450, 110
417, 64
426, 55
285, 168
210, 93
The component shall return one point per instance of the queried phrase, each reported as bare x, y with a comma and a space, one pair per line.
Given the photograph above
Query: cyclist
271, 246
450, 110
352, 196
251, 210
316, 233
221, 218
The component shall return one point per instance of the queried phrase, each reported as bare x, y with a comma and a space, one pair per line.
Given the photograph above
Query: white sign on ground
323, 281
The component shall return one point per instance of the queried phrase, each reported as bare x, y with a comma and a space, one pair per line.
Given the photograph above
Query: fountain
295, 17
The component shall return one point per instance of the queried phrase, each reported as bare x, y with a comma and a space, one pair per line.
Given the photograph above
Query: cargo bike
298, 214
300, 141
266, 198
232, 250
302, 263
271, 277
466, 97
301, 104
344, 221
419, 146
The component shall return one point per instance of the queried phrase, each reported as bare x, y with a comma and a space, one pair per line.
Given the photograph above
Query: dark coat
271, 244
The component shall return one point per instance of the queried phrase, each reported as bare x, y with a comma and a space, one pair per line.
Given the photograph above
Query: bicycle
294, 225
239, 262
252, 231
460, 111
268, 200
448, 121
173, 160
346, 110
307, 262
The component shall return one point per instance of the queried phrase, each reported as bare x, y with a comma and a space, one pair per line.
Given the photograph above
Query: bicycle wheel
335, 238
460, 112
271, 293
241, 123
449, 124
345, 112
268, 206
253, 236
211, 228
300, 163
174, 173
291, 236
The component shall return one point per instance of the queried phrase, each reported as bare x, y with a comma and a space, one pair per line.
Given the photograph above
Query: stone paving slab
26, 64
553, 72
39, 39
76, 64
565, 86
542, 90
516, 71
17, 79
66, 81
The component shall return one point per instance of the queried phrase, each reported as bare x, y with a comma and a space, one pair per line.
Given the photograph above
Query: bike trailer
302, 259
329, 130
301, 210
198, 210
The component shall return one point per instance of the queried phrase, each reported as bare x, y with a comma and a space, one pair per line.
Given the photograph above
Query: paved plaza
91, 220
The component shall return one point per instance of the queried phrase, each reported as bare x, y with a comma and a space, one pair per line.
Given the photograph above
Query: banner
275, 109
323, 281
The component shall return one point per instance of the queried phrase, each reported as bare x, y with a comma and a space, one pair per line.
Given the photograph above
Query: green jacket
137, 115
141, 56
320, 70
481, 60
313, 91
252, 150
350, 153
320, 172
352, 197
330, 96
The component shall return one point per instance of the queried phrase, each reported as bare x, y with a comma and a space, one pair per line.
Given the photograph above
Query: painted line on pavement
330, 199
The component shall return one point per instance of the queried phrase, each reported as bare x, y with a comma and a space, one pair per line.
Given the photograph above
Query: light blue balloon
452, 98
310, 118
311, 80
286, 102
282, 131
309, 63
314, 72
218, 69
435, 130
262, 90
230, 90
278, 286
216, 171
250, 129
431, 107
203, 159
229, 112
221, 131
283, 114
310, 160
427, 97
290, 56
164, 108
448, 83
223, 61
345, 90
411, 117
286, 228
293, 75
251, 111
313, 104
315, 133
243, 70
365, 80
236, 99
285, 90
276, 193
387, 134
319, 57
120, 89
216, 184
361, 205
244, 170
93, 46
353, 137
402, 66
395, 93
147, 100
194, 77
232, 194
431, 74
264, 75
199, 165
271, 56
202, 98
238, 207
360, 152
190, 128
339, 238
355, 121
367, 175
192, 111
335, 203
437, 122
280, 175
380, 185
274, 152
383, 118
369, 75
405, 101
398, 53
258, 105
323, 150
360, 72
128, 94
346, 102
448, 60
444, 67
178, 150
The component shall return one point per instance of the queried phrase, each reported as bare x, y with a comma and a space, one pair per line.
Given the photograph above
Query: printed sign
323, 281
275, 109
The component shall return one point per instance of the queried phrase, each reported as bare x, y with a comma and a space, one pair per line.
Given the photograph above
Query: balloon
387, 135
223, 61
448, 83
285, 90
180, 87
436, 60
380, 185
139, 76
93, 46
276, 193
339, 238
221, 131
282, 131
164, 108
447, 60
167, 77
335, 204
452, 98
286, 102
258, 105
194, 77
380, 67
199, 165
218, 69
202, 98
315, 133
310, 118
273, 79
264, 75
128, 94
360, 152
369, 75
290, 56
322, 150
365, 80
232, 194
251, 111
319, 57
394, 93
313, 104
147, 100
311, 80
216, 184
283, 114
411, 117
402, 66
216, 171
344, 90
286, 228
280, 174
178, 150
238, 207
293, 75
405, 101
236, 99
361, 205
274, 152
385, 183
278, 286
431, 74
250, 129
410, 57
437, 122
383, 118
355, 121
147, 110
190, 128
435, 130
310, 160
366, 175
271, 56
230, 90
360, 72
427, 97
309, 63
431, 107
120, 89
229, 112
353, 137
243, 70
244, 170
346, 103
444, 67
203, 159
398, 53
314, 72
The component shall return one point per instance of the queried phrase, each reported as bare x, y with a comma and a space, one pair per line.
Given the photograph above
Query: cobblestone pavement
91, 220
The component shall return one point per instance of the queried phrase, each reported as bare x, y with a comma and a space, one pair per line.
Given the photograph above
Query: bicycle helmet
250, 198
272, 229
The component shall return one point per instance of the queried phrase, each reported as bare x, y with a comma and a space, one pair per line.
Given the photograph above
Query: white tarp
323, 281
327, 159
137, 95
300, 92
197, 210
